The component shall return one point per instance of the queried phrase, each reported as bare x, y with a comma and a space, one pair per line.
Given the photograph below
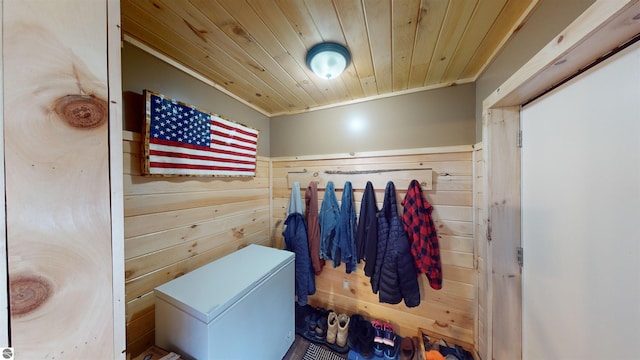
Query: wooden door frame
4, 291
602, 28
114, 63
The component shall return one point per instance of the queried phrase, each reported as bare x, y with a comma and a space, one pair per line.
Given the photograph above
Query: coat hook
315, 174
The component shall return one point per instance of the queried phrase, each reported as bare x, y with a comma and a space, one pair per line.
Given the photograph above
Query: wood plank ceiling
255, 49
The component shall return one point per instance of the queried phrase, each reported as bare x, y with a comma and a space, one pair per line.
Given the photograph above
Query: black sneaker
354, 331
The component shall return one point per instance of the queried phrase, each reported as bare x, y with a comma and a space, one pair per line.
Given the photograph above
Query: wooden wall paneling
449, 311
512, 15
380, 41
4, 299
449, 39
404, 22
156, 222
192, 45
173, 225
359, 178
140, 185
226, 228
63, 291
143, 264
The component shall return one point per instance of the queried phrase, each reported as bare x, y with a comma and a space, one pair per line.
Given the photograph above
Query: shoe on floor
378, 338
408, 350
366, 336
391, 352
354, 330
389, 335
343, 330
332, 327
321, 327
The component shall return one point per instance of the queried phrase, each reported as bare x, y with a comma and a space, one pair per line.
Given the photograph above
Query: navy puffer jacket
395, 276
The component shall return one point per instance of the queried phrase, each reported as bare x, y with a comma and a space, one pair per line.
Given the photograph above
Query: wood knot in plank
82, 111
238, 233
198, 32
27, 293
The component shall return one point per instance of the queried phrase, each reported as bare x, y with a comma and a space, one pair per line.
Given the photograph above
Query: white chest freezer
240, 306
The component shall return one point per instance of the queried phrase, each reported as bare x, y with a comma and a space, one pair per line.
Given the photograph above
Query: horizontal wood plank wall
449, 311
174, 225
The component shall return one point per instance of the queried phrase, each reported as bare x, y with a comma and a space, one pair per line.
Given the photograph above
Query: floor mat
316, 352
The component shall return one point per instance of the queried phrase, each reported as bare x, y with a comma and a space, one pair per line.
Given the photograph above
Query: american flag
185, 141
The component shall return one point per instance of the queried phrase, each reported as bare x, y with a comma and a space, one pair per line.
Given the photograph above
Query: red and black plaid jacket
421, 231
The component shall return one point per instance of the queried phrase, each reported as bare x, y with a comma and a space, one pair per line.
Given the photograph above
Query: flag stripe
233, 138
168, 163
172, 154
233, 132
223, 151
231, 125
174, 146
230, 144
174, 171
185, 141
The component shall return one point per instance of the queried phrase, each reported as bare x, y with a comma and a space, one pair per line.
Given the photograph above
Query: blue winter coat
344, 248
328, 219
395, 276
295, 238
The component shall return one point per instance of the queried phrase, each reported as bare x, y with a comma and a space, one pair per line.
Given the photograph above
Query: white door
581, 216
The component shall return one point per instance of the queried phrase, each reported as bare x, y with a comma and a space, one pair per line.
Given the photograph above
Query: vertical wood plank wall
115, 170
174, 225
58, 211
4, 299
449, 311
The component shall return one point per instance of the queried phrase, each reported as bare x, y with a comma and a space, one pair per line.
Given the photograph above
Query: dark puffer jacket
367, 231
395, 273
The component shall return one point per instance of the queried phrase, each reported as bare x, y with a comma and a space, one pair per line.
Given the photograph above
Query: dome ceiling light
328, 59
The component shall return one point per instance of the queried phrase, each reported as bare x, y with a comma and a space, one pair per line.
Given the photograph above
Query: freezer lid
208, 290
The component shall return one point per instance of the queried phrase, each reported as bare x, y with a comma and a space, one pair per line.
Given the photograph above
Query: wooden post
502, 157
4, 305
63, 263
116, 180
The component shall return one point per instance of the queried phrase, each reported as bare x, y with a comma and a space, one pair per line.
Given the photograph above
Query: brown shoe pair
409, 348
337, 329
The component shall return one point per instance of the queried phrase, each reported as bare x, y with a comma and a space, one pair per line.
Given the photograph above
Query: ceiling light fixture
328, 59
